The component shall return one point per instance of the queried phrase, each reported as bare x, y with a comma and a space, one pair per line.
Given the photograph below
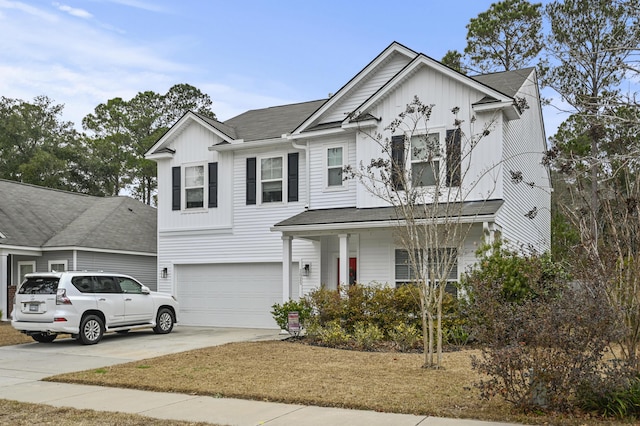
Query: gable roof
273, 122
37, 217
506, 82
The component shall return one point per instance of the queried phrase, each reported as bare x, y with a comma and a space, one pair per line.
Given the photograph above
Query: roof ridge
32, 185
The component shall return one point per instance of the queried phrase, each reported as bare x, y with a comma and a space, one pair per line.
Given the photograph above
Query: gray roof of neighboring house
38, 217
346, 215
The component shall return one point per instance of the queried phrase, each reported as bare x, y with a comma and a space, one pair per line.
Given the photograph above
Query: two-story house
256, 210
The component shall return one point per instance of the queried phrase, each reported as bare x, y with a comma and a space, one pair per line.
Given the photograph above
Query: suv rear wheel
164, 322
91, 330
43, 337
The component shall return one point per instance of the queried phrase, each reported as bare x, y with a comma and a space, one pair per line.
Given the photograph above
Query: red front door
352, 271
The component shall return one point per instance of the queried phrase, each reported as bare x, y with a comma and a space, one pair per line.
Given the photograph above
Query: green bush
405, 336
621, 400
333, 335
367, 336
280, 313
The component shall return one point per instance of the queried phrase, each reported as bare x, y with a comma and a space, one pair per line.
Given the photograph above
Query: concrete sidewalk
23, 366
223, 411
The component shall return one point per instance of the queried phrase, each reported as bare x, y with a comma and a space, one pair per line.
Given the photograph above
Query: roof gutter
377, 224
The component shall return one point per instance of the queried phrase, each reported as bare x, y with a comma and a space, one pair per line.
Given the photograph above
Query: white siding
141, 267
370, 84
523, 152
481, 166
321, 196
191, 148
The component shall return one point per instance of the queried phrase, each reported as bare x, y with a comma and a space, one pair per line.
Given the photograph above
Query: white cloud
79, 13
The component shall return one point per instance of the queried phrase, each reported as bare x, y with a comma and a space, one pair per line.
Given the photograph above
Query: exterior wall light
164, 273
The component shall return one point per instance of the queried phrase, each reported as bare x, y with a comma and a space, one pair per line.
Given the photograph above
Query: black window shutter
251, 180
397, 162
454, 157
292, 177
175, 185
213, 184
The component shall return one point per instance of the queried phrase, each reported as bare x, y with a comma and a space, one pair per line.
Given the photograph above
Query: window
24, 268
425, 159
129, 286
194, 186
405, 272
334, 166
58, 265
271, 179
436, 261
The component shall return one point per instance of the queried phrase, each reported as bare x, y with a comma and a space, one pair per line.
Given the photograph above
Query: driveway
34, 361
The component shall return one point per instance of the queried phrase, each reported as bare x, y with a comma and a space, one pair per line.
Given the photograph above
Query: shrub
367, 336
333, 335
621, 399
543, 341
405, 336
280, 313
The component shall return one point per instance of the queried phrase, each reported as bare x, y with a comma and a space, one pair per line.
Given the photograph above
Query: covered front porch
354, 245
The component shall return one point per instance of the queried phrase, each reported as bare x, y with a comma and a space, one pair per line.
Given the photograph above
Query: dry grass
25, 414
9, 336
296, 373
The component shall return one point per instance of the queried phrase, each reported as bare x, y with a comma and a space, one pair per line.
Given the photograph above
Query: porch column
344, 259
286, 268
4, 285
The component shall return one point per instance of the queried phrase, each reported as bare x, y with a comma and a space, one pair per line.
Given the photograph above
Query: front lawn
296, 373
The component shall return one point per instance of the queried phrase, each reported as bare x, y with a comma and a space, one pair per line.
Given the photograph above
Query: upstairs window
271, 179
425, 160
335, 165
194, 187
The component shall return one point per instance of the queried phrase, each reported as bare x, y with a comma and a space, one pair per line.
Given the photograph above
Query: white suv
88, 304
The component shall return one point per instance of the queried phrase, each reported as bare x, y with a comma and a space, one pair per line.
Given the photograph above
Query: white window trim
58, 262
283, 180
32, 263
397, 281
441, 159
325, 167
183, 187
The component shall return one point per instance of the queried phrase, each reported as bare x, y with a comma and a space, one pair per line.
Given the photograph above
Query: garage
229, 295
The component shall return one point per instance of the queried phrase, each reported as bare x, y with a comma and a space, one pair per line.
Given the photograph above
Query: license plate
33, 307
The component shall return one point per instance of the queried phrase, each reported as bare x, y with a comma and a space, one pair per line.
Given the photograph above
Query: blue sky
244, 54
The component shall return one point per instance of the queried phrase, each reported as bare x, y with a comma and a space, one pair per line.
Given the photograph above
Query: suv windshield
39, 285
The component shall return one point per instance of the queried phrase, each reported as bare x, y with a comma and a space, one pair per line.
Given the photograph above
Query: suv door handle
128, 299
102, 299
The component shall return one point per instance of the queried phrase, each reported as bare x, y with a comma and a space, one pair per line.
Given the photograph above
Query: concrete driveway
34, 361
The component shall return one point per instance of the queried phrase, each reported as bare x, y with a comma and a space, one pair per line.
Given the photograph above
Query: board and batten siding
192, 148
523, 153
445, 93
366, 88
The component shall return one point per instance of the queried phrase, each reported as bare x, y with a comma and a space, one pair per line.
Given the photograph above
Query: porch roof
353, 217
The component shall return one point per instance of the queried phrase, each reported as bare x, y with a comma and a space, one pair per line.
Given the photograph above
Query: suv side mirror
145, 290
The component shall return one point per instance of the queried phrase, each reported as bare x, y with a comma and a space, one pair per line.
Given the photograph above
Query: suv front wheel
91, 330
164, 322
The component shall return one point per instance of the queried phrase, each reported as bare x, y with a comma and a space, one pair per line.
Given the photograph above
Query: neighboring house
254, 211
43, 229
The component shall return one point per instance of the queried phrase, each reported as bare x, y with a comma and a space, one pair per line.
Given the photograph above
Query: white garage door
229, 295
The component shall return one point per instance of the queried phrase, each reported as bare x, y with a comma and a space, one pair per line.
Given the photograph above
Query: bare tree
433, 220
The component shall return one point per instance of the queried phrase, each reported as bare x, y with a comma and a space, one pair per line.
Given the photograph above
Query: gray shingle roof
348, 215
507, 82
34, 216
271, 122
